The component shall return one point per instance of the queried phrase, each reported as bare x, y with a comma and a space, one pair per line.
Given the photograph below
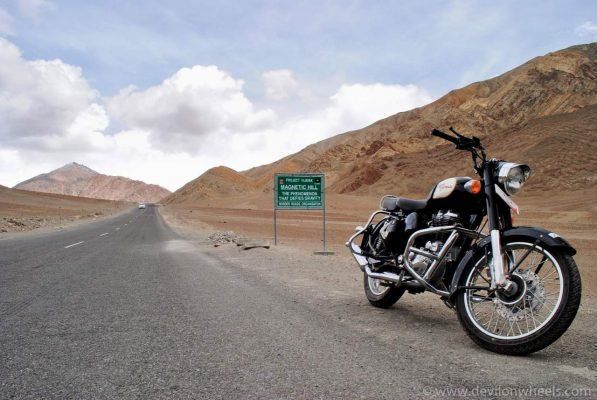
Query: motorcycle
515, 289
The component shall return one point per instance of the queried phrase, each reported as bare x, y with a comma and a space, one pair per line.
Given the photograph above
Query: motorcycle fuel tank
452, 193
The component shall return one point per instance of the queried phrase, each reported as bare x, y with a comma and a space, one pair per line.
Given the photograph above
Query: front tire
379, 295
544, 310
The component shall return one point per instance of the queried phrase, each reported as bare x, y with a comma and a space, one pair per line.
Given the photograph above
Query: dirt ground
22, 210
574, 217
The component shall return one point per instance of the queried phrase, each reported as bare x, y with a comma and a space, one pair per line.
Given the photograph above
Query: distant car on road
141, 205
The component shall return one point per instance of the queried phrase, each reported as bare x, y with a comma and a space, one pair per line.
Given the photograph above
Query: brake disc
535, 295
530, 303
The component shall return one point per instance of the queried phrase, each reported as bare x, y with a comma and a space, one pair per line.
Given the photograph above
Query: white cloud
358, 105
279, 84
587, 29
85, 133
197, 118
189, 106
42, 101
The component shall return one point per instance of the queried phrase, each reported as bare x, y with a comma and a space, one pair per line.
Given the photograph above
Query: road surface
125, 308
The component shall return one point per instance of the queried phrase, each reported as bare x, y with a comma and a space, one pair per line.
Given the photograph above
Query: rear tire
550, 330
381, 296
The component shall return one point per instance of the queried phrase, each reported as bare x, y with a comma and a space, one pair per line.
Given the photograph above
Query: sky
161, 91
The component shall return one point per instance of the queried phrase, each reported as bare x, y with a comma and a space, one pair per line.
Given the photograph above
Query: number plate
507, 199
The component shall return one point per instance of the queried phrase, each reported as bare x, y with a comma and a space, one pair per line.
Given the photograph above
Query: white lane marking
74, 244
104, 234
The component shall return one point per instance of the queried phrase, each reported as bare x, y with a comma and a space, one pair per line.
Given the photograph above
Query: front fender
543, 237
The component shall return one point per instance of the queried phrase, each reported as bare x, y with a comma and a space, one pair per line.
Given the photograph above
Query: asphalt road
125, 308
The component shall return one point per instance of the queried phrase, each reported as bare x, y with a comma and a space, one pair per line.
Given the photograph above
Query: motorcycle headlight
512, 176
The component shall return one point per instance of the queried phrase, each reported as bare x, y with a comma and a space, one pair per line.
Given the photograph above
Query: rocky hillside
216, 182
542, 113
22, 210
78, 180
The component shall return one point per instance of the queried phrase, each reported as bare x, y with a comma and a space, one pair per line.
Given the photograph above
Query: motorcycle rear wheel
379, 295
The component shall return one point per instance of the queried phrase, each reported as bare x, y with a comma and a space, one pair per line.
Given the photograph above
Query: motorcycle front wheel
541, 310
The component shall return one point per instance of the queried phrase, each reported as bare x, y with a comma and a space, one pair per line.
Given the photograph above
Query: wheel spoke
504, 325
550, 274
533, 317
518, 326
480, 274
526, 319
495, 328
511, 327
491, 318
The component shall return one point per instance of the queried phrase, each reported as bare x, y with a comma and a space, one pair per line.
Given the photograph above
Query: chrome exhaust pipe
384, 276
356, 253
397, 279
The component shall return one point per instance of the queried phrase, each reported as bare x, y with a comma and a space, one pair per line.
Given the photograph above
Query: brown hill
22, 210
78, 180
561, 149
542, 112
216, 182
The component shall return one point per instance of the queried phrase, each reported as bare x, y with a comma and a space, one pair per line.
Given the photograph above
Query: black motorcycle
516, 289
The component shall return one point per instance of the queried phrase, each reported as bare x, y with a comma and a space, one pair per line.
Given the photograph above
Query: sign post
300, 192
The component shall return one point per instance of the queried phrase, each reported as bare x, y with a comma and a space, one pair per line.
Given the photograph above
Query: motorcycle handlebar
444, 136
461, 142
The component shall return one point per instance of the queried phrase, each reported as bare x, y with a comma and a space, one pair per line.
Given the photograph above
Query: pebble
219, 238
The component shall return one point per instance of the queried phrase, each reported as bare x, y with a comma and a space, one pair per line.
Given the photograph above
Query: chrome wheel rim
543, 294
376, 287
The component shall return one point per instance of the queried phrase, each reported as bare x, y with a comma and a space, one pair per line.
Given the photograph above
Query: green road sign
299, 191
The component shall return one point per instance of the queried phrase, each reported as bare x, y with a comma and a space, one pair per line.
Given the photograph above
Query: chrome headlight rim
504, 175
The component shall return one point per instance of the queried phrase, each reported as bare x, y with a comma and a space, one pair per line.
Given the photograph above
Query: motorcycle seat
410, 204
394, 203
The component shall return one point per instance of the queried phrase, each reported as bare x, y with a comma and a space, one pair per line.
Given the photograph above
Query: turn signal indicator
473, 186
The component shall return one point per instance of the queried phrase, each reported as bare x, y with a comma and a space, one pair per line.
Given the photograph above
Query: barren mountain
542, 113
78, 180
217, 182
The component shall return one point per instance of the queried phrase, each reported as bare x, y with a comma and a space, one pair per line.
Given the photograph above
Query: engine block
445, 218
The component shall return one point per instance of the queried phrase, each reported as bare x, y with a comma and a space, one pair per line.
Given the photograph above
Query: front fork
499, 268
500, 278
